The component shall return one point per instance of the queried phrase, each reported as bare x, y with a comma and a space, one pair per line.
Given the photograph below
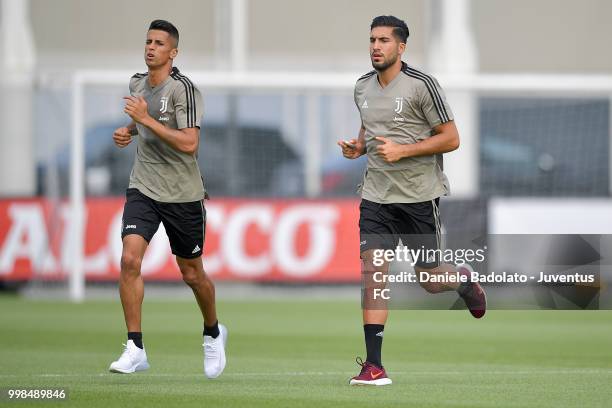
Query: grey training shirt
405, 111
161, 172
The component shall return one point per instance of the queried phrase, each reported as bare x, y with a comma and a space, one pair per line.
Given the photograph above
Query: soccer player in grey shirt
406, 126
165, 186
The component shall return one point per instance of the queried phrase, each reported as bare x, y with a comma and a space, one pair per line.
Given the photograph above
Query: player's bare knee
192, 276
191, 280
367, 257
130, 264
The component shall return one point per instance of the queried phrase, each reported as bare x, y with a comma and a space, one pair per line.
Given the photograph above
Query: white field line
330, 373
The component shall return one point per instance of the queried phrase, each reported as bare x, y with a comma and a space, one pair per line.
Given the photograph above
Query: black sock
136, 337
464, 288
212, 331
373, 339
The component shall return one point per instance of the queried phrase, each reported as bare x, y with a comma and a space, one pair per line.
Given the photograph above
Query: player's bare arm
445, 139
184, 140
354, 148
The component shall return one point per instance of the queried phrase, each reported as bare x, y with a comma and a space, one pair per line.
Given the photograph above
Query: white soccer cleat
133, 359
214, 353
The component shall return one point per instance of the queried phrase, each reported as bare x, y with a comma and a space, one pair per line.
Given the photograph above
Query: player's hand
122, 137
136, 108
352, 149
389, 150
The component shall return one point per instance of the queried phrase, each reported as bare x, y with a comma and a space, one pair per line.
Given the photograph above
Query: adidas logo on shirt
365, 104
196, 249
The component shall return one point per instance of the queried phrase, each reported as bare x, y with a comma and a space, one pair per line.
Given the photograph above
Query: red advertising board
246, 240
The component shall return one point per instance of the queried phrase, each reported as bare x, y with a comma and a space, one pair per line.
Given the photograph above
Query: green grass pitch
301, 354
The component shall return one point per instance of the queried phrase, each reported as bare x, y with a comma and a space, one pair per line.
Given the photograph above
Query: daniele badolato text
490, 277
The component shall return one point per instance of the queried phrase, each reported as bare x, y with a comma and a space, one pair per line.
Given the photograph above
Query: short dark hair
166, 26
400, 29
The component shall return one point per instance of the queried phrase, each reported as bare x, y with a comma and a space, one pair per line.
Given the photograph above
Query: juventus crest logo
399, 104
164, 104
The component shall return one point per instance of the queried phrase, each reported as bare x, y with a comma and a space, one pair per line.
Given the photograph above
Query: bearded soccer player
165, 186
406, 127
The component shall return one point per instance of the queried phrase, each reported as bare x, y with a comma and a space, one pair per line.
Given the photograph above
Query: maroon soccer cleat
370, 375
472, 293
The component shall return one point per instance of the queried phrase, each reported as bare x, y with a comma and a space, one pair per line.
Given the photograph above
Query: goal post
312, 85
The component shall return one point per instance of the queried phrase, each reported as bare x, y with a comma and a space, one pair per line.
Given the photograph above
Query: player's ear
174, 53
402, 47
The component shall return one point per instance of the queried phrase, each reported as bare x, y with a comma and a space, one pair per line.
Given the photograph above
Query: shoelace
364, 367
126, 351
210, 347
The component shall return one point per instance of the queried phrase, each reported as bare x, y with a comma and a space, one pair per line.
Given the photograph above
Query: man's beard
382, 66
